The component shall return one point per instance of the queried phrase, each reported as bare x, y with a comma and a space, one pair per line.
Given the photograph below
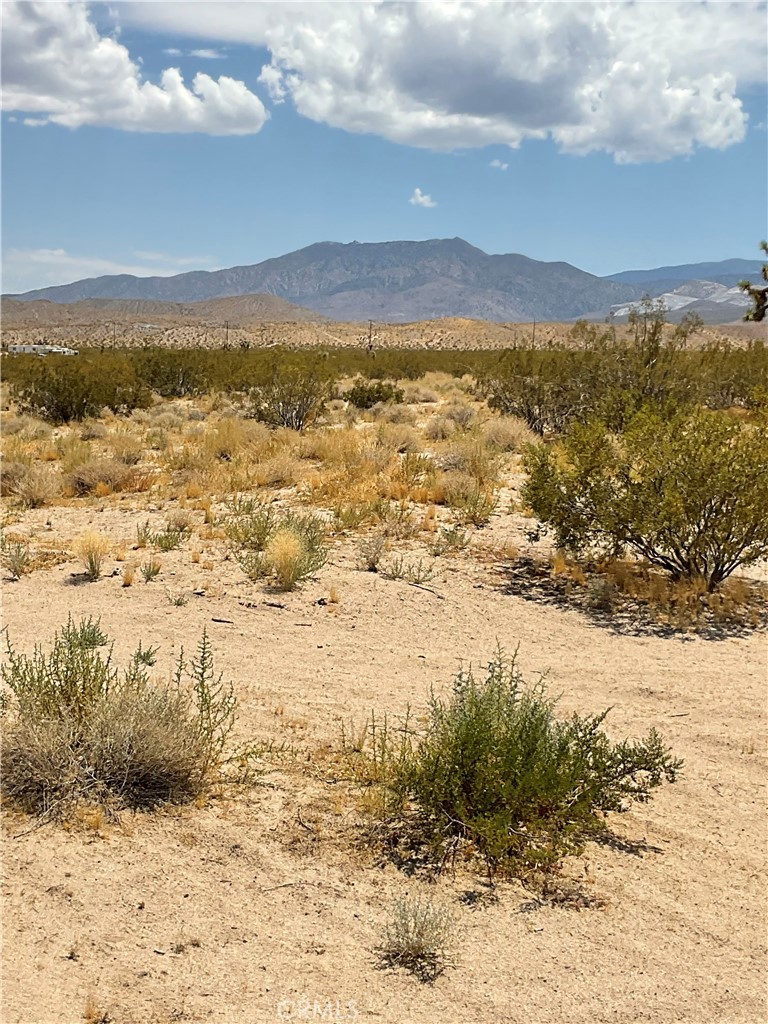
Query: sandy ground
257, 908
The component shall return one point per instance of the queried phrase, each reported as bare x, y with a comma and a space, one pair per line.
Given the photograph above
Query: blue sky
597, 134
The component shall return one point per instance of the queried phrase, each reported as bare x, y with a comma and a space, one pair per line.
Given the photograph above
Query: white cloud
642, 81
25, 269
172, 51
207, 54
60, 70
499, 165
420, 198
172, 261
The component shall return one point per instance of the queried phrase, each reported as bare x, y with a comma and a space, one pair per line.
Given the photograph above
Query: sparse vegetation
91, 549
496, 773
419, 938
75, 728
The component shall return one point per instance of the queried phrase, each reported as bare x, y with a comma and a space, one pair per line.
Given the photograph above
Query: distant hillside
236, 310
395, 282
727, 272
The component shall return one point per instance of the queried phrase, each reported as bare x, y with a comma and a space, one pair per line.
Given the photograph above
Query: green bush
497, 772
286, 547
76, 728
365, 394
64, 388
689, 494
293, 397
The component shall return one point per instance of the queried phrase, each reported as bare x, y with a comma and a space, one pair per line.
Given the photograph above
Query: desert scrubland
349, 534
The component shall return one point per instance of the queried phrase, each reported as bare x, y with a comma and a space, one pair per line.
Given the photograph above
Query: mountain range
408, 281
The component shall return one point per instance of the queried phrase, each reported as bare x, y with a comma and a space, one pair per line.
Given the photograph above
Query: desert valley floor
258, 907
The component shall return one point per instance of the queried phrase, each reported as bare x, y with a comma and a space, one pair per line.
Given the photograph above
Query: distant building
41, 350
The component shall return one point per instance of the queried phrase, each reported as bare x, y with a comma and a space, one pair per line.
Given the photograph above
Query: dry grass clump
682, 603
460, 413
11, 475
439, 428
14, 425
507, 433
386, 413
419, 938
399, 438
77, 729
231, 436
91, 548
415, 393
472, 502
37, 487
471, 457
92, 430
112, 474
126, 448
283, 470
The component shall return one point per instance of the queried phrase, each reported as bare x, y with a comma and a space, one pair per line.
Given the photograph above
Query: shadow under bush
75, 727
497, 775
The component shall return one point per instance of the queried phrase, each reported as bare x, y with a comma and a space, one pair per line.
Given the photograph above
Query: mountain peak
394, 281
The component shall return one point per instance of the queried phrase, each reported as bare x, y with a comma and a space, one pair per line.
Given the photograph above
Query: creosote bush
76, 728
365, 394
689, 493
495, 773
293, 397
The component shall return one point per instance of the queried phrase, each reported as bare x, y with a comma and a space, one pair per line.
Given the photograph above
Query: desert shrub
604, 377
16, 557
370, 551
417, 573
37, 487
75, 727
507, 433
92, 430
418, 938
127, 449
64, 388
418, 394
461, 414
471, 502
399, 437
469, 455
293, 397
112, 473
689, 493
439, 428
758, 295
11, 475
393, 413
496, 771
365, 394
285, 547
449, 538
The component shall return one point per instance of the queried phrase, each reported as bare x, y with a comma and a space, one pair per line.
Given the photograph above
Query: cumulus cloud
642, 81
420, 198
499, 165
207, 54
25, 269
58, 69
